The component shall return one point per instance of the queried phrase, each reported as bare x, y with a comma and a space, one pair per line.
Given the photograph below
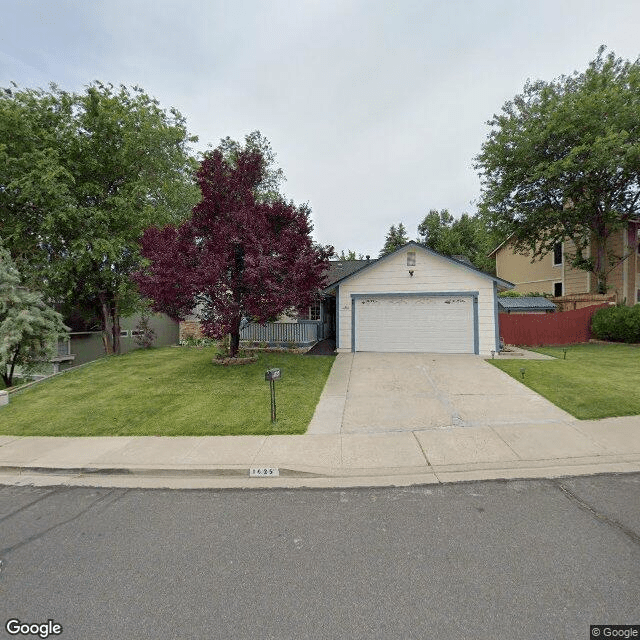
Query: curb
238, 477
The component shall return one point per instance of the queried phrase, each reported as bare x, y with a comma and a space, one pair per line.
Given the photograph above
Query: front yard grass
169, 392
595, 381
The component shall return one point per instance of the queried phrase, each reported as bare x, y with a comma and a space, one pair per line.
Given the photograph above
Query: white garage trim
469, 294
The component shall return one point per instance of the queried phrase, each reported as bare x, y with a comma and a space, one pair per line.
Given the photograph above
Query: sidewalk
328, 457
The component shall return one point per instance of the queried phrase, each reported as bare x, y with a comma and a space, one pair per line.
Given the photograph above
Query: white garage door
431, 324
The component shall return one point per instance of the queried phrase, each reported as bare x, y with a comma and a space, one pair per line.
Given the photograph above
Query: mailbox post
272, 375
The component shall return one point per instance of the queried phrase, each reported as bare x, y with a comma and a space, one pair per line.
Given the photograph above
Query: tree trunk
599, 268
8, 376
115, 321
234, 341
107, 325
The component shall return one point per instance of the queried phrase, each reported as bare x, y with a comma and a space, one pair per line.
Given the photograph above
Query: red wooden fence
530, 329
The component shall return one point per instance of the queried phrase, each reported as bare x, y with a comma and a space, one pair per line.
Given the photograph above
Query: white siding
431, 274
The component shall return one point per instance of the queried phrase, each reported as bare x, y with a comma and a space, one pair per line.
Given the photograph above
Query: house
526, 304
417, 300
554, 275
316, 323
412, 300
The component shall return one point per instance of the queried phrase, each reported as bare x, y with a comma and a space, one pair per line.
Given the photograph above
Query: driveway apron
414, 391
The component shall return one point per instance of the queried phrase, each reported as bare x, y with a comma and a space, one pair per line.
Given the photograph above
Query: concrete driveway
381, 392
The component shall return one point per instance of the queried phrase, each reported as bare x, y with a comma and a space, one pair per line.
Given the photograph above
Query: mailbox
272, 374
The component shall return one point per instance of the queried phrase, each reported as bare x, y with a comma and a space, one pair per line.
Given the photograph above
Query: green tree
563, 162
468, 236
350, 256
268, 189
29, 329
396, 238
81, 176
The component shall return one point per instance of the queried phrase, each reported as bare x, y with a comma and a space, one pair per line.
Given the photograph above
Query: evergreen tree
396, 238
29, 329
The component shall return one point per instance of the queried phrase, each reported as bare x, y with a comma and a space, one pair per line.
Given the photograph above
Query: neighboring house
526, 304
554, 275
85, 346
417, 300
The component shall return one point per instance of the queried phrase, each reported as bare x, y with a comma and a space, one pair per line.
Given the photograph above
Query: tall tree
81, 176
29, 329
563, 162
239, 255
396, 238
468, 236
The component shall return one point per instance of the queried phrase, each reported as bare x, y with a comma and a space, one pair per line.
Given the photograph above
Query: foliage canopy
563, 162
396, 238
81, 176
240, 254
468, 236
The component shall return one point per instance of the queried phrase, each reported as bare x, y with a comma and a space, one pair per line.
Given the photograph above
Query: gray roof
526, 303
339, 269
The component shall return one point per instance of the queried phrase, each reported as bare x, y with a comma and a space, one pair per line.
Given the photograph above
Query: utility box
272, 374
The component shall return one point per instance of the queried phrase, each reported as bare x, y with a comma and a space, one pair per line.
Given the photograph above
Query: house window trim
558, 282
558, 264
310, 314
411, 258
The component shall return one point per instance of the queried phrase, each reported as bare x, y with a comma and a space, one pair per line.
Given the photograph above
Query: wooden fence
566, 327
301, 333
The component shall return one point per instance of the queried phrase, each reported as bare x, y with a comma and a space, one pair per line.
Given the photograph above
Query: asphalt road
520, 559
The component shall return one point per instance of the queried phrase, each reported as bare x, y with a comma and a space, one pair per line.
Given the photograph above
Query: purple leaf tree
244, 252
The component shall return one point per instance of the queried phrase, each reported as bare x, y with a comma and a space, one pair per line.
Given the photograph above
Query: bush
617, 324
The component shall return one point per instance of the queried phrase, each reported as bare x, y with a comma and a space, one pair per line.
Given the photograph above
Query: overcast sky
375, 109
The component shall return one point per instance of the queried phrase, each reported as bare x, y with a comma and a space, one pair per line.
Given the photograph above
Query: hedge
617, 324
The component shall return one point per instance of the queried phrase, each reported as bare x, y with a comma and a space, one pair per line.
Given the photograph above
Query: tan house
554, 275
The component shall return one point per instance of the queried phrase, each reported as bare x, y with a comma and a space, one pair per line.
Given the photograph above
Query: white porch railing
301, 333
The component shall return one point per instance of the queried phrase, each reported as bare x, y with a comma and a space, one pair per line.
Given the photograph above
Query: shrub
618, 324
145, 335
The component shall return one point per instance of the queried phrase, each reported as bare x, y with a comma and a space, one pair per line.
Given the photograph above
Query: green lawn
595, 381
170, 391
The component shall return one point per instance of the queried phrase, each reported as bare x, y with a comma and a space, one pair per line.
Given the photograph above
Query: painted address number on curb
261, 472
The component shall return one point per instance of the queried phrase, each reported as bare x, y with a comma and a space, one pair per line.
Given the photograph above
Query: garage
415, 322
416, 300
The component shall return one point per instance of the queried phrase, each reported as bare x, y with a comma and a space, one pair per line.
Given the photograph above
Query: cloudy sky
375, 109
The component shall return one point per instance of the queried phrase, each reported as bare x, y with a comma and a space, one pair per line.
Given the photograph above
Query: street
502, 559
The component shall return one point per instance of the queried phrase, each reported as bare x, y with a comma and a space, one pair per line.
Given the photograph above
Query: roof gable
499, 281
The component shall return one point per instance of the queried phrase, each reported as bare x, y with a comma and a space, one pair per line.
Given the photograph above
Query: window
557, 289
313, 312
557, 254
638, 296
136, 332
411, 258
124, 333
